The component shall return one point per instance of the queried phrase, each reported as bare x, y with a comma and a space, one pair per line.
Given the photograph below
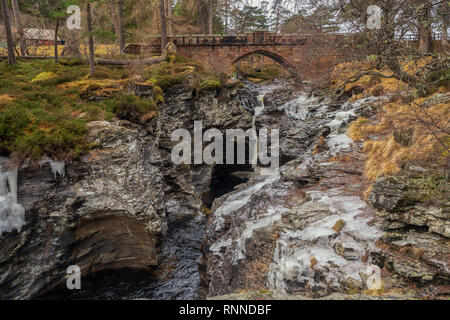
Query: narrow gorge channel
141, 227
182, 272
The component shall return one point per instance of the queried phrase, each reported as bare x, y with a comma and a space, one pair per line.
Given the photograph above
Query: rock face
284, 234
416, 244
423, 258
301, 118
112, 210
183, 106
304, 231
189, 187
402, 201
107, 213
307, 230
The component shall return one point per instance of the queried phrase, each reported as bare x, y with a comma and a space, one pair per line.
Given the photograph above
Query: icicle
12, 214
58, 168
3, 183
12, 183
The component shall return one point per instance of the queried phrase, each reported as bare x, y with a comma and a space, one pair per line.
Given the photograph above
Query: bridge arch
274, 56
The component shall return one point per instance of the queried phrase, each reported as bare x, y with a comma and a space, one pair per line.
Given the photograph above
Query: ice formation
12, 214
237, 200
299, 107
339, 120
295, 249
58, 168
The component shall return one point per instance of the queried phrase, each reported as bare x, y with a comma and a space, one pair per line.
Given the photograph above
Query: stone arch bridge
300, 55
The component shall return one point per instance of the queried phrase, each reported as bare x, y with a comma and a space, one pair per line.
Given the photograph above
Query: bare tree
162, 16
91, 39
210, 16
169, 14
226, 9
203, 15
424, 26
385, 44
56, 40
120, 23
18, 19
445, 16
9, 36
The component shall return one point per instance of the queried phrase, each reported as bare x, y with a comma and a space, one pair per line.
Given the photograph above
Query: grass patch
265, 72
178, 70
210, 84
44, 106
134, 108
41, 110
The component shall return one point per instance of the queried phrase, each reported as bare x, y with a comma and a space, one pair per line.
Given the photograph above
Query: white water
338, 140
339, 119
299, 107
258, 111
12, 214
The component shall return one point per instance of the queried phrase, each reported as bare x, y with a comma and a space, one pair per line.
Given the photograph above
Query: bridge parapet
257, 38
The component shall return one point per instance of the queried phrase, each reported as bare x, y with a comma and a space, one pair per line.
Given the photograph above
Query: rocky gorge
202, 231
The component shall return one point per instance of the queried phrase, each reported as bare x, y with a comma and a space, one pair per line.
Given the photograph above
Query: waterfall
257, 111
12, 214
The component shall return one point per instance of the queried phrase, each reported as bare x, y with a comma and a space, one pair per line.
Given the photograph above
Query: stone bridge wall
309, 56
306, 55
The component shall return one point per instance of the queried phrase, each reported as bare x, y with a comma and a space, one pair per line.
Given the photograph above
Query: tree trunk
162, 14
18, 19
445, 16
56, 40
120, 25
91, 40
210, 16
168, 18
424, 27
9, 35
72, 47
226, 16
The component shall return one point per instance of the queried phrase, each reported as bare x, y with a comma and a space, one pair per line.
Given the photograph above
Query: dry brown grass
383, 158
400, 135
405, 130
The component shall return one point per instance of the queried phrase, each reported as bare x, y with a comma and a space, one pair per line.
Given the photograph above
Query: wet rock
188, 185
108, 213
285, 228
339, 225
399, 200
421, 257
389, 191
